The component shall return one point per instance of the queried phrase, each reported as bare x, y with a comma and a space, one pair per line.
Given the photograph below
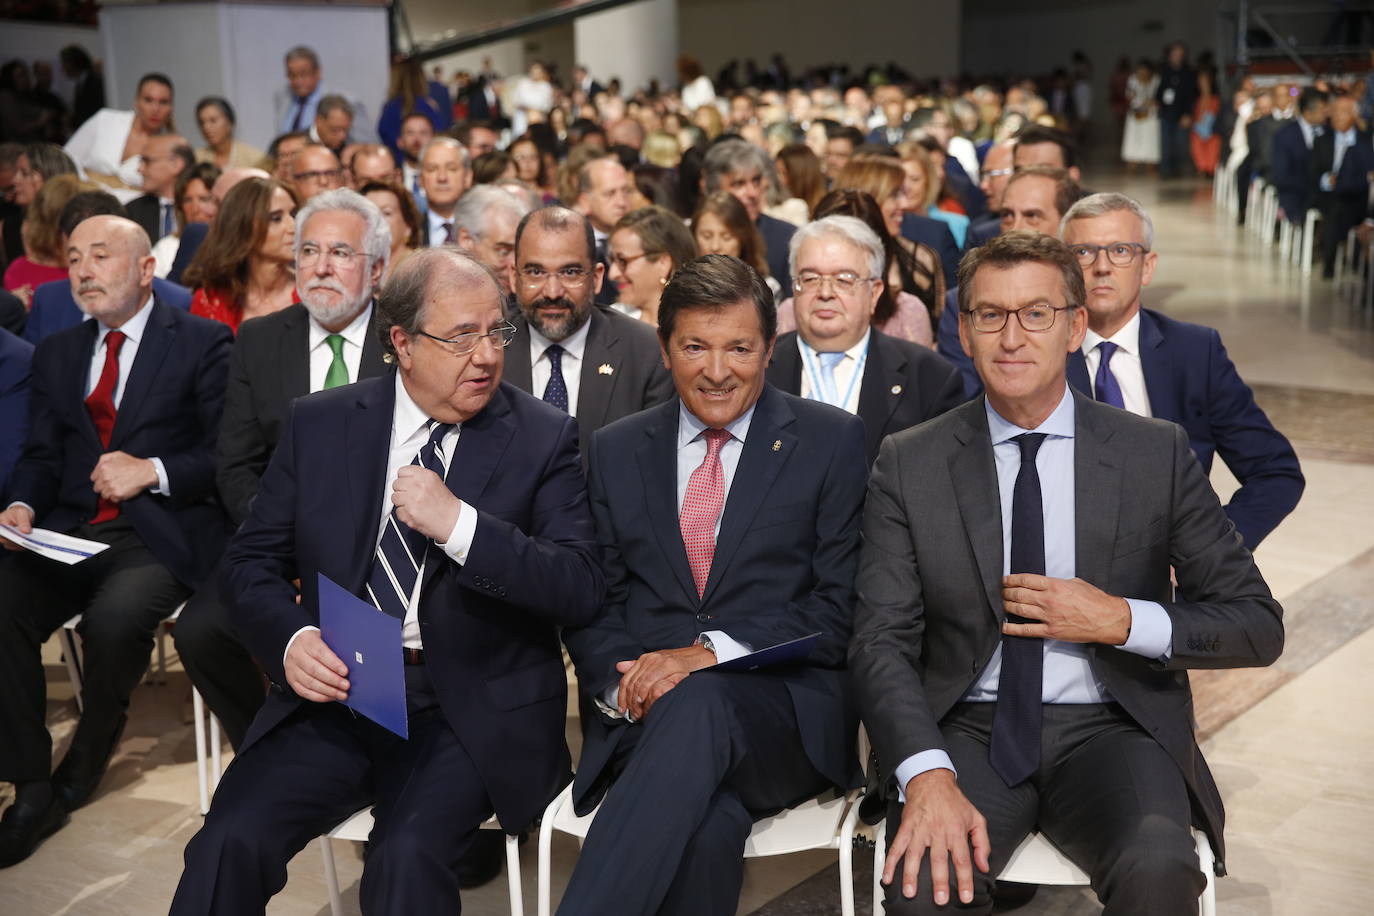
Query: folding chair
73, 655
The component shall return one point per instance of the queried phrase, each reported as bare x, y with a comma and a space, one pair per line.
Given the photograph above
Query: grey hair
730, 156
402, 300
332, 103
301, 52
1110, 202
849, 228
476, 206
376, 235
443, 140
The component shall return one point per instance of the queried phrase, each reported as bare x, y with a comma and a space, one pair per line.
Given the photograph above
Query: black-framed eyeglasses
571, 277
990, 320
463, 344
321, 175
1120, 254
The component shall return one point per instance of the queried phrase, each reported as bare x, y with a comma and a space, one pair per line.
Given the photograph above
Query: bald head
230, 177
110, 266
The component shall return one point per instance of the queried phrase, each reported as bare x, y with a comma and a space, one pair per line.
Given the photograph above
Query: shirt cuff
459, 541
1152, 632
726, 649
163, 488
292, 641
606, 703
916, 764
20, 502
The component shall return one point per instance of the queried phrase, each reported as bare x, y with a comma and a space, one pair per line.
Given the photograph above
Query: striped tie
401, 551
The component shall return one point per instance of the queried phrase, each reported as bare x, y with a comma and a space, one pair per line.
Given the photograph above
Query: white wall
636, 43
32, 41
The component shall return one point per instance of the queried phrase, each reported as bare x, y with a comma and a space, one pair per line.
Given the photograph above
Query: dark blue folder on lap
368, 642
792, 651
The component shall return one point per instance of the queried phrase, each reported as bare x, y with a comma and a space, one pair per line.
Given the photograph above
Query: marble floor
1288, 744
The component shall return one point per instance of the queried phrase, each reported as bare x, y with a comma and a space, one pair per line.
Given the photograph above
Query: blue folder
792, 651
368, 642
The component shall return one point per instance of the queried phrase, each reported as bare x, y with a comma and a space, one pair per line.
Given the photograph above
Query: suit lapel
596, 388
83, 350
517, 369
882, 388
784, 372
1097, 495
294, 358
1157, 365
768, 447
159, 339
371, 364
973, 472
1077, 370
367, 424
657, 458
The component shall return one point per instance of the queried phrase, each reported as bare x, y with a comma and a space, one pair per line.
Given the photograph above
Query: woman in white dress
531, 99
1140, 141
109, 146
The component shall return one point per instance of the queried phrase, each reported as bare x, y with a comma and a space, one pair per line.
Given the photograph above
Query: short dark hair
1311, 97
462, 132
555, 218
85, 205
279, 140
845, 132
222, 104
1013, 248
713, 282
332, 103
1033, 134
1067, 192
161, 78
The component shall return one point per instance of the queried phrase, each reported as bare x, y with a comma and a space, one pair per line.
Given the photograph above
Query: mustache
89, 287
331, 285
562, 302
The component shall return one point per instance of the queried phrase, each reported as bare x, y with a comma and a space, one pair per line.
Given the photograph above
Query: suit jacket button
501, 591
702, 618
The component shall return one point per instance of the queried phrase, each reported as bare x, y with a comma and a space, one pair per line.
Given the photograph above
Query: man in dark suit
165, 158
739, 167
16, 358
997, 171
445, 173
1156, 366
323, 342
603, 197
1259, 140
125, 410
1175, 97
1021, 663
837, 356
482, 557
594, 363
1291, 159
1342, 161
728, 522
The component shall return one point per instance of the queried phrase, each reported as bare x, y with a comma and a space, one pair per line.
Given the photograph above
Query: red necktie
701, 508
100, 402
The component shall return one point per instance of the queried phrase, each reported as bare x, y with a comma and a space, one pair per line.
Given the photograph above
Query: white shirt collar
355, 333
407, 419
132, 329
1127, 338
574, 344
1059, 423
854, 352
436, 227
689, 427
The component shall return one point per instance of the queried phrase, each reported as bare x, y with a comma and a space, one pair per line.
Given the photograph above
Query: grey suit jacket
622, 372
930, 607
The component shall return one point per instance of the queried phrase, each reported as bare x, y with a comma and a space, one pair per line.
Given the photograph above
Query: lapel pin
777, 444
896, 389
605, 369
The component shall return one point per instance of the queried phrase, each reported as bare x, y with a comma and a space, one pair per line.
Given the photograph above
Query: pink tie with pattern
701, 508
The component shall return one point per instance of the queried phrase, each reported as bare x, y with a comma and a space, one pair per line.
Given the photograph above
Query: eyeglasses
844, 282
624, 261
571, 277
321, 175
1121, 254
998, 173
989, 319
340, 256
500, 336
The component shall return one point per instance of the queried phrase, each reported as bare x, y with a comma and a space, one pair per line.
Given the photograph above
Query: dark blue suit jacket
785, 562
490, 626
16, 357
192, 235
947, 345
170, 410
982, 230
55, 310
1289, 171
936, 236
1191, 381
777, 235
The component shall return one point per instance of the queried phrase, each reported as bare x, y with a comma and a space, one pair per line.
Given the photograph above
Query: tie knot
715, 439
1030, 444
114, 340
555, 355
831, 360
336, 343
437, 431
1106, 349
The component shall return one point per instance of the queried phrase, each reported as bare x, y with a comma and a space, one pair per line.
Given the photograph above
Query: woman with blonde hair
933, 200
646, 248
43, 259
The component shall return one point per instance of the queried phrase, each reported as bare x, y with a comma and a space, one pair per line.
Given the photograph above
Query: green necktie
338, 372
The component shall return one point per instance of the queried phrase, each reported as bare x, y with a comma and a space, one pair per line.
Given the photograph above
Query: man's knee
897, 904
200, 630
1157, 860
704, 695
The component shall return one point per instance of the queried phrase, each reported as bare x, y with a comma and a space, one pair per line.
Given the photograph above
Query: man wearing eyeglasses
315, 169
836, 355
1019, 652
455, 503
996, 172
1155, 366
596, 364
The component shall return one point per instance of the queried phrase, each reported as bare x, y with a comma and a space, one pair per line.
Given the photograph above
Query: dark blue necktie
1105, 387
401, 551
556, 391
169, 224
1015, 750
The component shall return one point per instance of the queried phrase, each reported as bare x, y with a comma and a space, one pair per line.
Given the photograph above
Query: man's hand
1070, 610
939, 819
19, 517
424, 503
119, 476
314, 671
653, 674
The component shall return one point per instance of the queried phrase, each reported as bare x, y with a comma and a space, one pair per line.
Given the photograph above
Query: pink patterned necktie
701, 508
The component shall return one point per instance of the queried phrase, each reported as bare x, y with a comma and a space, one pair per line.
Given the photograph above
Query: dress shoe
80, 772
24, 826
482, 861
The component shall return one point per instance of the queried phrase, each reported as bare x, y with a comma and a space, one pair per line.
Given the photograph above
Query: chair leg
879, 861
202, 771
517, 891
1207, 903
216, 756
846, 850
546, 829
331, 878
71, 653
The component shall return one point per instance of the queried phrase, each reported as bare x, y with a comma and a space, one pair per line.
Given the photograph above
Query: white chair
1309, 234
1038, 861
357, 828
207, 733
825, 822
73, 655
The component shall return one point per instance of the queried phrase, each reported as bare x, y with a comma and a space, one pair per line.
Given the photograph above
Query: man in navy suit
1291, 161
451, 501
741, 168
1342, 161
16, 357
728, 522
125, 409
1152, 365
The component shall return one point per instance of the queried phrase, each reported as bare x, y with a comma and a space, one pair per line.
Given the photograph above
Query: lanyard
822, 392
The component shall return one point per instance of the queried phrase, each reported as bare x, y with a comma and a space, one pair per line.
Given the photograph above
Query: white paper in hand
60, 547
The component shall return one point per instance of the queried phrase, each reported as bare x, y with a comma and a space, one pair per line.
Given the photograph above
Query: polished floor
1288, 744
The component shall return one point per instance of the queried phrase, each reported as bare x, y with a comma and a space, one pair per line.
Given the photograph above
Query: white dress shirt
133, 329
849, 372
322, 357
570, 364
1341, 141
1125, 364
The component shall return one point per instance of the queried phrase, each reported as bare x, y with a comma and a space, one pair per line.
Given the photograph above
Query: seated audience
1047, 146
486, 218
444, 176
281, 155
297, 104
721, 225
402, 218
408, 96
216, 119
371, 162
646, 248
314, 170
166, 158
16, 357
44, 258
799, 174
492, 167
109, 146
34, 164
743, 170
1342, 162
192, 202
943, 204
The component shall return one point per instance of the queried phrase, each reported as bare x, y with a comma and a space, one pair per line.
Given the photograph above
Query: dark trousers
217, 662
1106, 793
1245, 174
1340, 213
1173, 147
122, 593
716, 753
316, 768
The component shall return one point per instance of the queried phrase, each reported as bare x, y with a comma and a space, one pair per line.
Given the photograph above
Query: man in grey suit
593, 363
1019, 655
